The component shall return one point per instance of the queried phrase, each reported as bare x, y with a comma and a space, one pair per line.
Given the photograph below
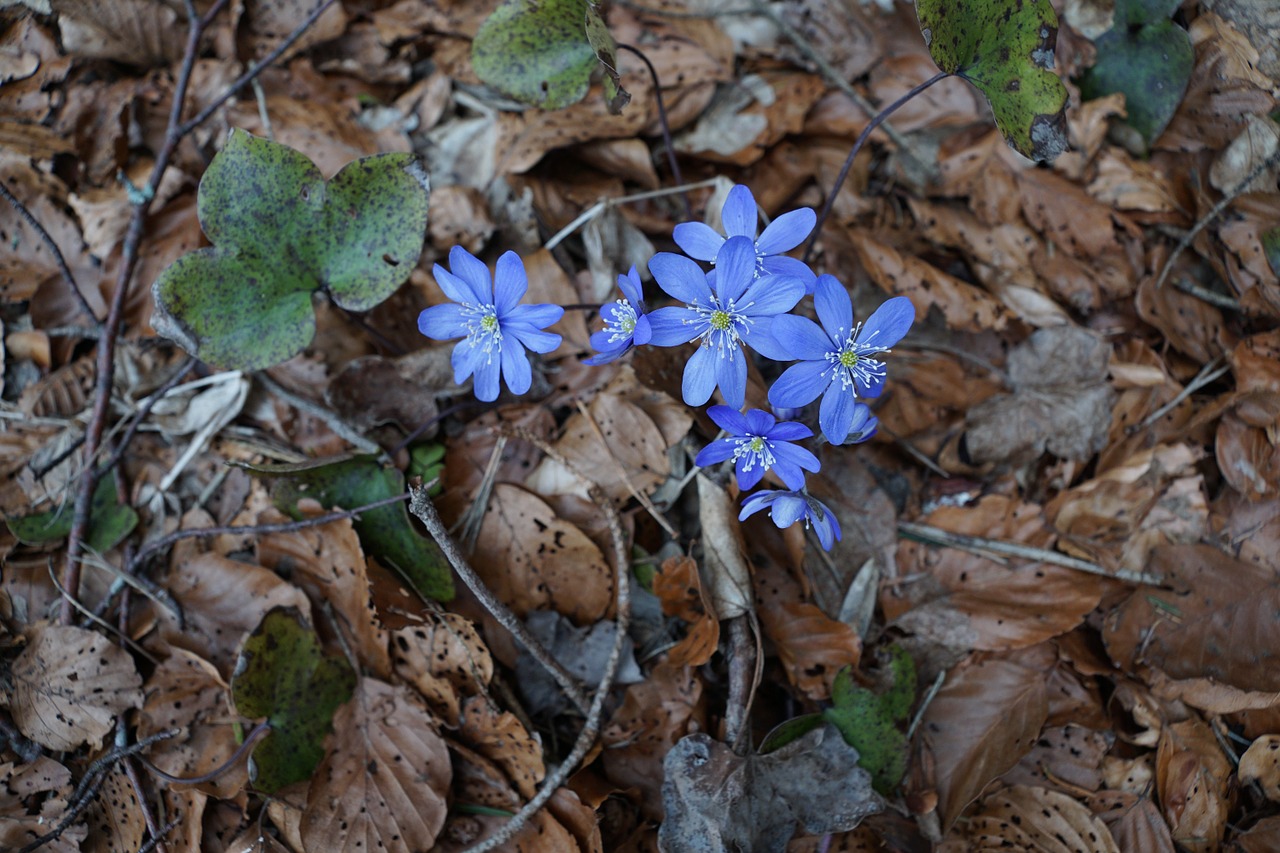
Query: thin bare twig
47, 239
256, 734
591, 725
982, 546
1221, 300
1209, 373
601, 206
666, 127
144, 410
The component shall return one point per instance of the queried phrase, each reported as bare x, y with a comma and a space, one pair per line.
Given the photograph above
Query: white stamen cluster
483, 327
723, 325
851, 361
622, 324
756, 449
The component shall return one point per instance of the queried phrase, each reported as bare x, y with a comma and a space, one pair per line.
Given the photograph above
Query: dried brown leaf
68, 686
1065, 758
137, 32
984, 719
1193, 780
1065, 215
445, 659
374, 390
534, 560
1261, 763
678, 585
1263, 837
726, 576
1027, 818
384, 780
1134, 821
966, 600
500, 737
33, 798
116, 824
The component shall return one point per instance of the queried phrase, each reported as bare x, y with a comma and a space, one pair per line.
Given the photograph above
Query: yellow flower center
848, 358
721, 320
489, 322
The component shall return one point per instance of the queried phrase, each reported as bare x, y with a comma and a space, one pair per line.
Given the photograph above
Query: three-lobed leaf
281, 233
1005, 48
869, 721
282, 674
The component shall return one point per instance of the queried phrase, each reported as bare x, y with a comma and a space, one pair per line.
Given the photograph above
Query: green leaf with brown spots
1005, 48
283, 675
109, 521
385, 532
543, 52
281, 233
1148, 58
869, 721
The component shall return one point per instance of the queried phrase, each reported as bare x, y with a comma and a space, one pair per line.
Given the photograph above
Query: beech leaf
281, 233
1005, 48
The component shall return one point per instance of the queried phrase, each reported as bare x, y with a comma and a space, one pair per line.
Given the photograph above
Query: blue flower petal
786, 232
605, 357
759, 422
790, 431
681, 278
443, 322
782, 265
698, 240
716, 451
643, 331
757, 502
789, 472
828, 530
739, 213
487, 386
747, 478
864, 424
728, 419
466, 358
758, 336
797, 456
800, 384
834, 308
801, 338
537, 316
509, 282
534, 339
515, 367
603, 342
674, 325
631, 287
770, 295
731, 375
455, 288
889, 323
788, 509
736, 269
699, 377
835, 416
472, 271
871, 386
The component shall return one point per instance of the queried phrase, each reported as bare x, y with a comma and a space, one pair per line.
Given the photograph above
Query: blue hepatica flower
836, 359
786, 508
740, 308
625, 323
739, 217
495, 329
863, 426
757, 443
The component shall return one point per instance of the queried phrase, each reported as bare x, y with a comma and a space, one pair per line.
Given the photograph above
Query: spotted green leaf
109, 521
543, 52
282, 233
1271, 248
282, 674
1148, 58
1005, 48
870, 721
385, 532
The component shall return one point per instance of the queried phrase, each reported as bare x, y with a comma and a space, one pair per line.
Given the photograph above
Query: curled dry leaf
328, 564
678, 585
1027, 818
1061, 401
967, 600
983, 720
534, 560
501, 738
68, 686
186, 693
382, 784
1064, 758
1193, 780
1261, 763
717, 801
34, 797
1216, 621
1134, 821
444, 659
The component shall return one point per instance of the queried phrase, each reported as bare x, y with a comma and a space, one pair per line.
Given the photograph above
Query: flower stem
857, 146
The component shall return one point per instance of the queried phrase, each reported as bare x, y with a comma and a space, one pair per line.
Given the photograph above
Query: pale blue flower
739, 309
739, 217
837, 360
758, 443
786, 508
495, 329
625, 322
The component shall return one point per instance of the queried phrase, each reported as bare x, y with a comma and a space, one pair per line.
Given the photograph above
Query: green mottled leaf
283, 675
1271, 246
109, 521
869, 721
385, 532
543, 52
1005, 48
427, 461
281, 233
1146, 57
788, 730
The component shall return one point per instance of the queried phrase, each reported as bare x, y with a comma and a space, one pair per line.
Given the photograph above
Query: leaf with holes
1148, 58
281, 233
109, 521
284, 676
1005, 48
543, 52
385, 532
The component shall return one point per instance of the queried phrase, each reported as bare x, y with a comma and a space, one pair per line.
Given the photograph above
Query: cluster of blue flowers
743, 300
